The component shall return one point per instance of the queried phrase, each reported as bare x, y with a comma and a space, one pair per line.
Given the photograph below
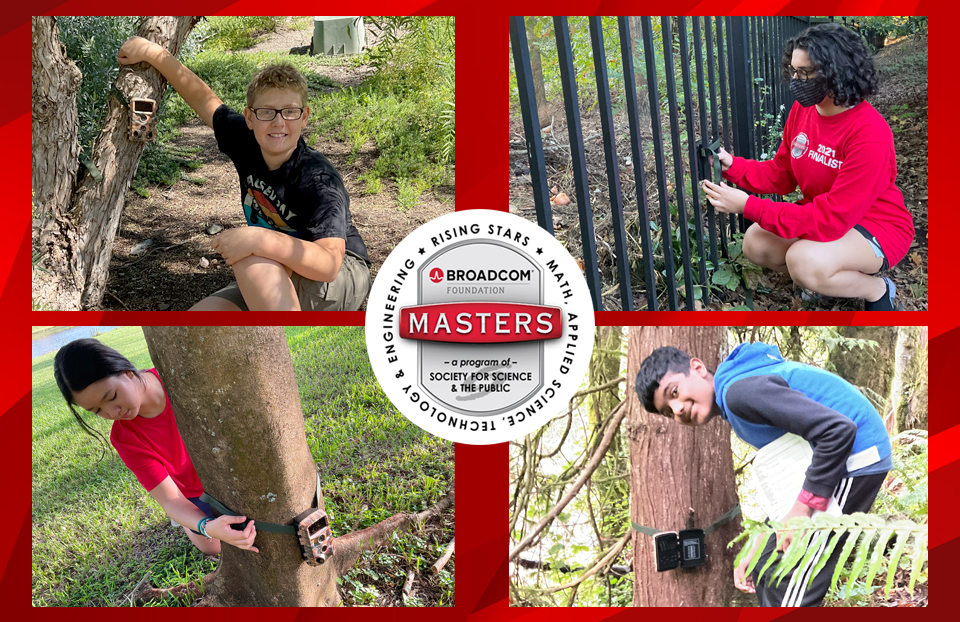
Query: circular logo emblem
479, 327
799, 145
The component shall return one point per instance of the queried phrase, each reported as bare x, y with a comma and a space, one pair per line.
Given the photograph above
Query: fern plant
873, 533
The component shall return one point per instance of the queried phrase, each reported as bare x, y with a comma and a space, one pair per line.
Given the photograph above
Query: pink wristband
811, 500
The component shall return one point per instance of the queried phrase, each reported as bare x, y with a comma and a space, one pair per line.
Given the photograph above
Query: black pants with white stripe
853, 494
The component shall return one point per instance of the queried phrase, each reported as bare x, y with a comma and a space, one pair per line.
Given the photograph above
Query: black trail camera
313, 532
684, 549
143, 120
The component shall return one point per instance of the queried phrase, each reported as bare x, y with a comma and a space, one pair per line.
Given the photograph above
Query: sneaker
807, 295
887, 302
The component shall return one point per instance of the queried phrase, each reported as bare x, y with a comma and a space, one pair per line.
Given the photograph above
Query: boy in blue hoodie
762, 397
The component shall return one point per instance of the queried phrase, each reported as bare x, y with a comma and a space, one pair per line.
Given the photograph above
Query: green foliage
92, 42
906, 492
407, 107
891, 26
871, 532
235, 33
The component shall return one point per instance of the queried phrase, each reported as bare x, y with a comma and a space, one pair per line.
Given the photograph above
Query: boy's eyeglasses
269, 114
804, 73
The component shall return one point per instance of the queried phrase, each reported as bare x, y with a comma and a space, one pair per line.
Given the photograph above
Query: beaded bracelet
202, 526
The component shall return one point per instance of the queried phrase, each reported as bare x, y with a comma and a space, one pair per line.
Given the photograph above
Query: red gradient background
481, 577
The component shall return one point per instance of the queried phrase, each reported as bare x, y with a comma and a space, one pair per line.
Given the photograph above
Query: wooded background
572, 496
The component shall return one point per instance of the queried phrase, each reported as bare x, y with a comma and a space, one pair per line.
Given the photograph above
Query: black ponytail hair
842, 59
83, 362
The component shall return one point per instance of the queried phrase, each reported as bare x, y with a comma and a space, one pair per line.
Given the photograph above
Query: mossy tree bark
680, 478
235, 397
237, 406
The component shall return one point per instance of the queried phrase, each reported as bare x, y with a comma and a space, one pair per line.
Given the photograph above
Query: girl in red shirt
851, 222
102, 381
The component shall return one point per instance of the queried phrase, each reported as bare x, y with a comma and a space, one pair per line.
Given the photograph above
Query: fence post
622, 261
531, 123
666, 237
568, 76
741, 90
633, 117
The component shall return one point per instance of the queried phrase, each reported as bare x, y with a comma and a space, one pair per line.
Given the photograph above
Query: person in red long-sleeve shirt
851, 222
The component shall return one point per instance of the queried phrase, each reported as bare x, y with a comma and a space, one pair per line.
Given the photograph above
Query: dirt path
170, 275
902, 101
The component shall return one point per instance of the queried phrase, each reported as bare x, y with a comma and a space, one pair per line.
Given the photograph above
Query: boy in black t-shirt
301, 250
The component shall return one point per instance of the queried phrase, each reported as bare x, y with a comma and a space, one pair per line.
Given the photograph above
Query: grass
97, 533
237, 32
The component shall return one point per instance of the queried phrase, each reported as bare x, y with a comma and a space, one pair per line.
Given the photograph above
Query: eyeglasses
803, 73
269, 114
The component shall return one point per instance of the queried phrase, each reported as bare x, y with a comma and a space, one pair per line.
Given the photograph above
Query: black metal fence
737, 92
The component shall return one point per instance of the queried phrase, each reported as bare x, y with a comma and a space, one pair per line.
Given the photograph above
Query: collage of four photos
503, 346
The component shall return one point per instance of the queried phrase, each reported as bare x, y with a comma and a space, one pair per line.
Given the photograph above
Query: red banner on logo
481, 322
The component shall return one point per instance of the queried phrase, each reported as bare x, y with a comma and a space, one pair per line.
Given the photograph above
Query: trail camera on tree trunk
681, 480
237, 406
79, 219
235, 398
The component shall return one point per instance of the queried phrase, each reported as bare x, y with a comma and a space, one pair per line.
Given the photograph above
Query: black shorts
853, 494
877, 250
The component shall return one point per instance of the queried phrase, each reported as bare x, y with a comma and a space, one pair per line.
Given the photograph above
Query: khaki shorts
346, 293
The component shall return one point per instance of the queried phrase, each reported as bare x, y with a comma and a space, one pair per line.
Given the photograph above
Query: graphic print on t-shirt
260, 212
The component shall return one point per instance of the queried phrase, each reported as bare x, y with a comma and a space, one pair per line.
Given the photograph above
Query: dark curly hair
842, 59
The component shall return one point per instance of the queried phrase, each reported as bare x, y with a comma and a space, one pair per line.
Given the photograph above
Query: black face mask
808, 92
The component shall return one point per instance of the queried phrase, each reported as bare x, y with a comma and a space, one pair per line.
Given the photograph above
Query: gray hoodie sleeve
769, 399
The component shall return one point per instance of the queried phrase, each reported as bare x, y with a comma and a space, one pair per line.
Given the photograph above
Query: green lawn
97, 533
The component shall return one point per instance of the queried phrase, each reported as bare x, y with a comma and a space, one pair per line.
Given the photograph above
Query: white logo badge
479, 327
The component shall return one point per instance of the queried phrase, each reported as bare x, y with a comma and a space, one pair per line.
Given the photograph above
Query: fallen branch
129, 599
609, 556
440, 563
408, 585
193, 590
348, 547
595, 460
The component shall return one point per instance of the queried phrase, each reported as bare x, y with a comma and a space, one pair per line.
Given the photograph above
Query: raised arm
191, 88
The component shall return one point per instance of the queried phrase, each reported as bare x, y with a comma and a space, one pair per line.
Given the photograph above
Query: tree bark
536, 65
906, 344
680, 478
237, 405
77, 235
56, 79
640, 77
909, 404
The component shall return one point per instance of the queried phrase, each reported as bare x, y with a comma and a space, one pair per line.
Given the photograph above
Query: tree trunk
680, 478
910, 406
640, 77
235, 397
868, 368
536, 66
917, 413
77, 236
56, 79
907, 338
